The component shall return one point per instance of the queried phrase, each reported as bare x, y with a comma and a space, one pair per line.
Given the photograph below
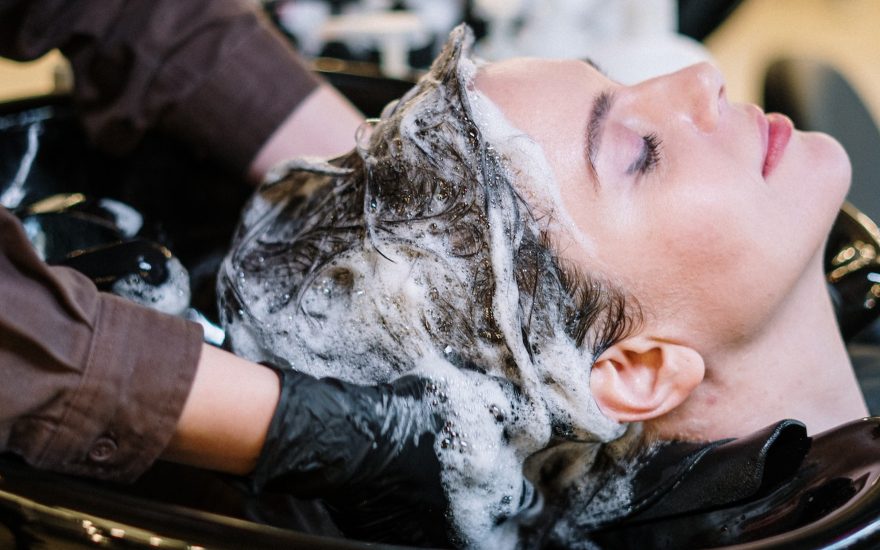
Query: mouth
778, 129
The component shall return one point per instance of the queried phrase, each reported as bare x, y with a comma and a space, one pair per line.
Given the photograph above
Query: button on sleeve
103, 449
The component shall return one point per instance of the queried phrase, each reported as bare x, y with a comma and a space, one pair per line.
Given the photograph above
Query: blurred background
750, 35
820, 57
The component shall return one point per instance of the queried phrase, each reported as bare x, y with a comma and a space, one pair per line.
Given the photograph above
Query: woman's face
709, 212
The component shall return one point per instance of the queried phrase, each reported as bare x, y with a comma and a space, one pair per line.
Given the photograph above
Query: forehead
549, 103
529, 77
549, 100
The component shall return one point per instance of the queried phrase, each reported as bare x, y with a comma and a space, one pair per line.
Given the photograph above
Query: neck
797, 367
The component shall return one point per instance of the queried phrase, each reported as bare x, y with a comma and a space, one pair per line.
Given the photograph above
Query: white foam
566, 365
535, 179
171, 297
370, 316
481, 471
125, 218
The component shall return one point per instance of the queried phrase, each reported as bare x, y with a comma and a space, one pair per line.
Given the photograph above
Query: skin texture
226, 417
725, 262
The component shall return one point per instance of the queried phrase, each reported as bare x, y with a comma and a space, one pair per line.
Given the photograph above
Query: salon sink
44, 510
833, 501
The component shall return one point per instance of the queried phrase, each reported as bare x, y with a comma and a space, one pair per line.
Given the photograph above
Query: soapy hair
417, 190
416, 253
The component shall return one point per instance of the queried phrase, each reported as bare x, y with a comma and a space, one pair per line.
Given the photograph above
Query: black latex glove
368, 451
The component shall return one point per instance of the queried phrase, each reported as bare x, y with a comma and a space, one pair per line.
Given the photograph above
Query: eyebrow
595, 125
594, 65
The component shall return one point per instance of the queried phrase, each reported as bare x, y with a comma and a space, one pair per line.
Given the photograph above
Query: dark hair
425, 193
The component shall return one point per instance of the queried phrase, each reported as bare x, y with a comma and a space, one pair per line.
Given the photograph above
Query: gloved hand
368, 451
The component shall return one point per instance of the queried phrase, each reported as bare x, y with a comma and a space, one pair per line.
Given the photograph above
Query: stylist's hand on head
367, 450
372, 453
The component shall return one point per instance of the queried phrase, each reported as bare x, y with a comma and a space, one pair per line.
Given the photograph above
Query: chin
811, 181
813, 178
830, 165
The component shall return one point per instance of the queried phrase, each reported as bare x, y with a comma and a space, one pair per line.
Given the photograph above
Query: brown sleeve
90, 384
215, 73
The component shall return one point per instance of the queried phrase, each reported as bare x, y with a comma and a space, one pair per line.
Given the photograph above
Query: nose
697, 92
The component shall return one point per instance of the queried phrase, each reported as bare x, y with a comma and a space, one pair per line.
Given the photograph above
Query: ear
641, 378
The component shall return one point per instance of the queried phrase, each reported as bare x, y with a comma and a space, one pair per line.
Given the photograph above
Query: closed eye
648, 157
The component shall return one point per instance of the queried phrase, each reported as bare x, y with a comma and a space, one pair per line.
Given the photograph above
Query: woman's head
415, 253
532, 198
712, 215
674, 192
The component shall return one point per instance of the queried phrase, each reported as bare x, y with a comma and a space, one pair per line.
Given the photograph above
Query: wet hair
417, 242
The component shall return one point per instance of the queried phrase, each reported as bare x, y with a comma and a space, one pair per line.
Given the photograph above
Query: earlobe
641, 378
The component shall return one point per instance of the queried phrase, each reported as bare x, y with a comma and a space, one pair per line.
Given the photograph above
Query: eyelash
649, 157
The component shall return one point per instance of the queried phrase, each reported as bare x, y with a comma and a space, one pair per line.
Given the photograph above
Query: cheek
698, 252
702, 226
694, 257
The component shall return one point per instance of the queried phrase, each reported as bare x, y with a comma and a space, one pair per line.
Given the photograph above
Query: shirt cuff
138, 376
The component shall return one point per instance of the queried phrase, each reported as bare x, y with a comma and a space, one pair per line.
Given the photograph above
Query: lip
777, 129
